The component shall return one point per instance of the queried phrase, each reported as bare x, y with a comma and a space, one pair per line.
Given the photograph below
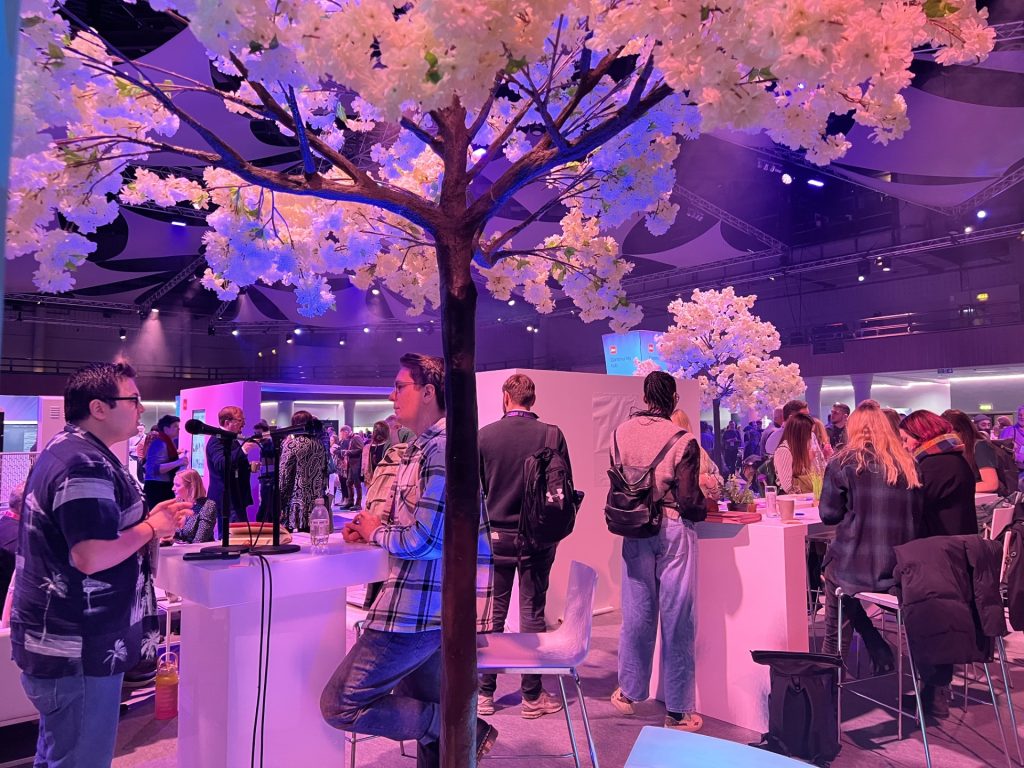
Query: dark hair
381, 432
924, 425
301, 418
96, 381
967, 432
426, 369
793, 406
166, 421
659, 394
797, 435
262, 425
842, 407
520, 389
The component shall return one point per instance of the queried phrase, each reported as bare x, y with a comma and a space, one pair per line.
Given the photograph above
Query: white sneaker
484, 705
622, 704
545, 704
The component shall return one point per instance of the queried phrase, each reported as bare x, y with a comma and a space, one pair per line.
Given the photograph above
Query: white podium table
220, 637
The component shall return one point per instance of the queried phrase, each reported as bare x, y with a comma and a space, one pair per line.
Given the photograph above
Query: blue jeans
77, 719
389, 685
659, 579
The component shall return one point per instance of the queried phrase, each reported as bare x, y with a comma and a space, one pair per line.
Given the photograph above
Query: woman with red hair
947, 484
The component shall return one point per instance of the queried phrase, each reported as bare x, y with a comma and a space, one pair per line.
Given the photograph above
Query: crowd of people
87, 538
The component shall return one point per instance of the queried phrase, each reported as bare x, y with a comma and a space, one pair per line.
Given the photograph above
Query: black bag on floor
802, 705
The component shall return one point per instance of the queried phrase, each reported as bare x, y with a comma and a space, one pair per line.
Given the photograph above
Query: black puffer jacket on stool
949, 590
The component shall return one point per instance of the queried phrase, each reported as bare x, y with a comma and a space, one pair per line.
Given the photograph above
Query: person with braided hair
659, 574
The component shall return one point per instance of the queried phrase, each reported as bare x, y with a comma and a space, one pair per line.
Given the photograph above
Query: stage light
341, 342
289, 339
968, 229
863, 270
419, 329
885, 264
366, 329
981, 214
529, 329
816, 182
260, 353
983, 296
235, 332
273, 351
178, 224
398, 338
375, 291
122, 334
772, 278
787, 178
154, 311
298, 331
512, 302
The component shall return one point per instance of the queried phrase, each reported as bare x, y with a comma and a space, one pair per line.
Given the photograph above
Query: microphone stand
276, 547
227, 476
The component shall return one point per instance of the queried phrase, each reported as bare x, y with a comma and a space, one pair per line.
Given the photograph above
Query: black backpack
550, 502
1006, 466
803, 705
630, 509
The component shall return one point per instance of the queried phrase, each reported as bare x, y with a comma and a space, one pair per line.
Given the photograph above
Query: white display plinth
220, 637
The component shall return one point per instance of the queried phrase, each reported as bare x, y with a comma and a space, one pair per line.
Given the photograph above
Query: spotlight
816, 182
885, 264
981, 214
260, 353
511, 302
398, 338
211, 330
863, 270
273, 351
375, 291
122, 334
178, 224
968, 229
787, 178
298, 331
529, 329
772, 278
982, 297
341, 342
154, 311
289, 339
419, 329
235, 332
366, 329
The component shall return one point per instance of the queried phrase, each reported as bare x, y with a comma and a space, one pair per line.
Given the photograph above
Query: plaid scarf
947, 443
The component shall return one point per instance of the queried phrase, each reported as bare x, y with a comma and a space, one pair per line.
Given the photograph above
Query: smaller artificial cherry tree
716, 340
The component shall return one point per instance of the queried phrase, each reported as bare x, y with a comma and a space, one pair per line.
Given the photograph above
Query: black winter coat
949, 591
947, 483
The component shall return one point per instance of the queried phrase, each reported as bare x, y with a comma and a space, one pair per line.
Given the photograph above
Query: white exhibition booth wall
586, 407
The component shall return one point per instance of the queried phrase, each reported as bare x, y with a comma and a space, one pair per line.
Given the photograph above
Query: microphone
196, 427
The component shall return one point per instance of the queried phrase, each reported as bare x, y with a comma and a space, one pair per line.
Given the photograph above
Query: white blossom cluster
367, 70
717, 340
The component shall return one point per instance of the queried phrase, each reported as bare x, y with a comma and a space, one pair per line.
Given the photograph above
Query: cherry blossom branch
423, 135
485, 108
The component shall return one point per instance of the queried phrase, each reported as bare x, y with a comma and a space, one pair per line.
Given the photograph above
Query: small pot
750, 508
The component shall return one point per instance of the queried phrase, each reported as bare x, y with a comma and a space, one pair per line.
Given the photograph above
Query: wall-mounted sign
622, 350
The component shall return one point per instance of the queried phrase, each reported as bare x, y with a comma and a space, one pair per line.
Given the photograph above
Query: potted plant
739, 496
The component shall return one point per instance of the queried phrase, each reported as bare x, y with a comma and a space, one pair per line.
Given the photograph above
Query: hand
167, 517
365, 524
351, 534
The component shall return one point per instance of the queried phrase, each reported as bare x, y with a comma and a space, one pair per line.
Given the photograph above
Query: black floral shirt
63, 622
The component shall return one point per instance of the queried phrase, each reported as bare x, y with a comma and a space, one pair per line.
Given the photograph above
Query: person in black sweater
504, 446
947, 485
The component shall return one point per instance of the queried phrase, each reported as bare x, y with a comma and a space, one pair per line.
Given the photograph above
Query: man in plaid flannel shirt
389, 684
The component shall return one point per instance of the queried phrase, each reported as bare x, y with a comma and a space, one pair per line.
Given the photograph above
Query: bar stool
890, 604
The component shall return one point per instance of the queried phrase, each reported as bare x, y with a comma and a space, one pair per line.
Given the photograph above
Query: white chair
551, 653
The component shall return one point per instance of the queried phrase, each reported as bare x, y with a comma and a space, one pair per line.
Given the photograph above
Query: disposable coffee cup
787, 509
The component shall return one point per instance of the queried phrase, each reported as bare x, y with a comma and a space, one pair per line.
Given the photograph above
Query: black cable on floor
259, 671
266, 658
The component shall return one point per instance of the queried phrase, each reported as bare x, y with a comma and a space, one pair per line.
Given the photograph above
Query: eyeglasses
400, 385
134, 399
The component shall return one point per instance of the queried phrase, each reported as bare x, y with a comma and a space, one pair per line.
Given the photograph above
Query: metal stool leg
1001, 646
586, 719
568, 723
899, 677
917, 696
839, 652
999, 717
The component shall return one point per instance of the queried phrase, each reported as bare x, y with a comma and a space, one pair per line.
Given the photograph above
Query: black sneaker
486, 735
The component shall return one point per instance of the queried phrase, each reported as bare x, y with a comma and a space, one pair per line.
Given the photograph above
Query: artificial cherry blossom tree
716, 340
466, 104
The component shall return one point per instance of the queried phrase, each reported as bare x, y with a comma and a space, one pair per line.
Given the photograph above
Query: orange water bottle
167, 686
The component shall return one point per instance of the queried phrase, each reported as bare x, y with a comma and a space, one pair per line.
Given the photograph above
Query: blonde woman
711, 482
871, 493
199, 525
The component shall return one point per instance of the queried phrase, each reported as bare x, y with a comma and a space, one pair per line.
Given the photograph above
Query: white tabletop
665, 748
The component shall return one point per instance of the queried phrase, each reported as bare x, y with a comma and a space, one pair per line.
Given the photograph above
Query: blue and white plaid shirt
410, 600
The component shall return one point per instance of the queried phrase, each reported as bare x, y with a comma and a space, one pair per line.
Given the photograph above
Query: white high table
220, 636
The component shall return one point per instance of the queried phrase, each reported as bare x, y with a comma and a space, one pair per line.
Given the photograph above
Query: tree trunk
462, 504
719, 454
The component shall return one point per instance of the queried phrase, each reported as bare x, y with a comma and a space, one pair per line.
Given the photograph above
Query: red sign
612, 349
650, 348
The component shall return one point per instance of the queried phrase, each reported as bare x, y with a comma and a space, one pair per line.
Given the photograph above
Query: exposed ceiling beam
733, 221
173, 283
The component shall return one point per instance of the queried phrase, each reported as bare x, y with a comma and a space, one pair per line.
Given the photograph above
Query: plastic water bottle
771, 501
319, 526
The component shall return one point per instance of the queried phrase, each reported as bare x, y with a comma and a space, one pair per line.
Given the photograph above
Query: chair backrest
579, 611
